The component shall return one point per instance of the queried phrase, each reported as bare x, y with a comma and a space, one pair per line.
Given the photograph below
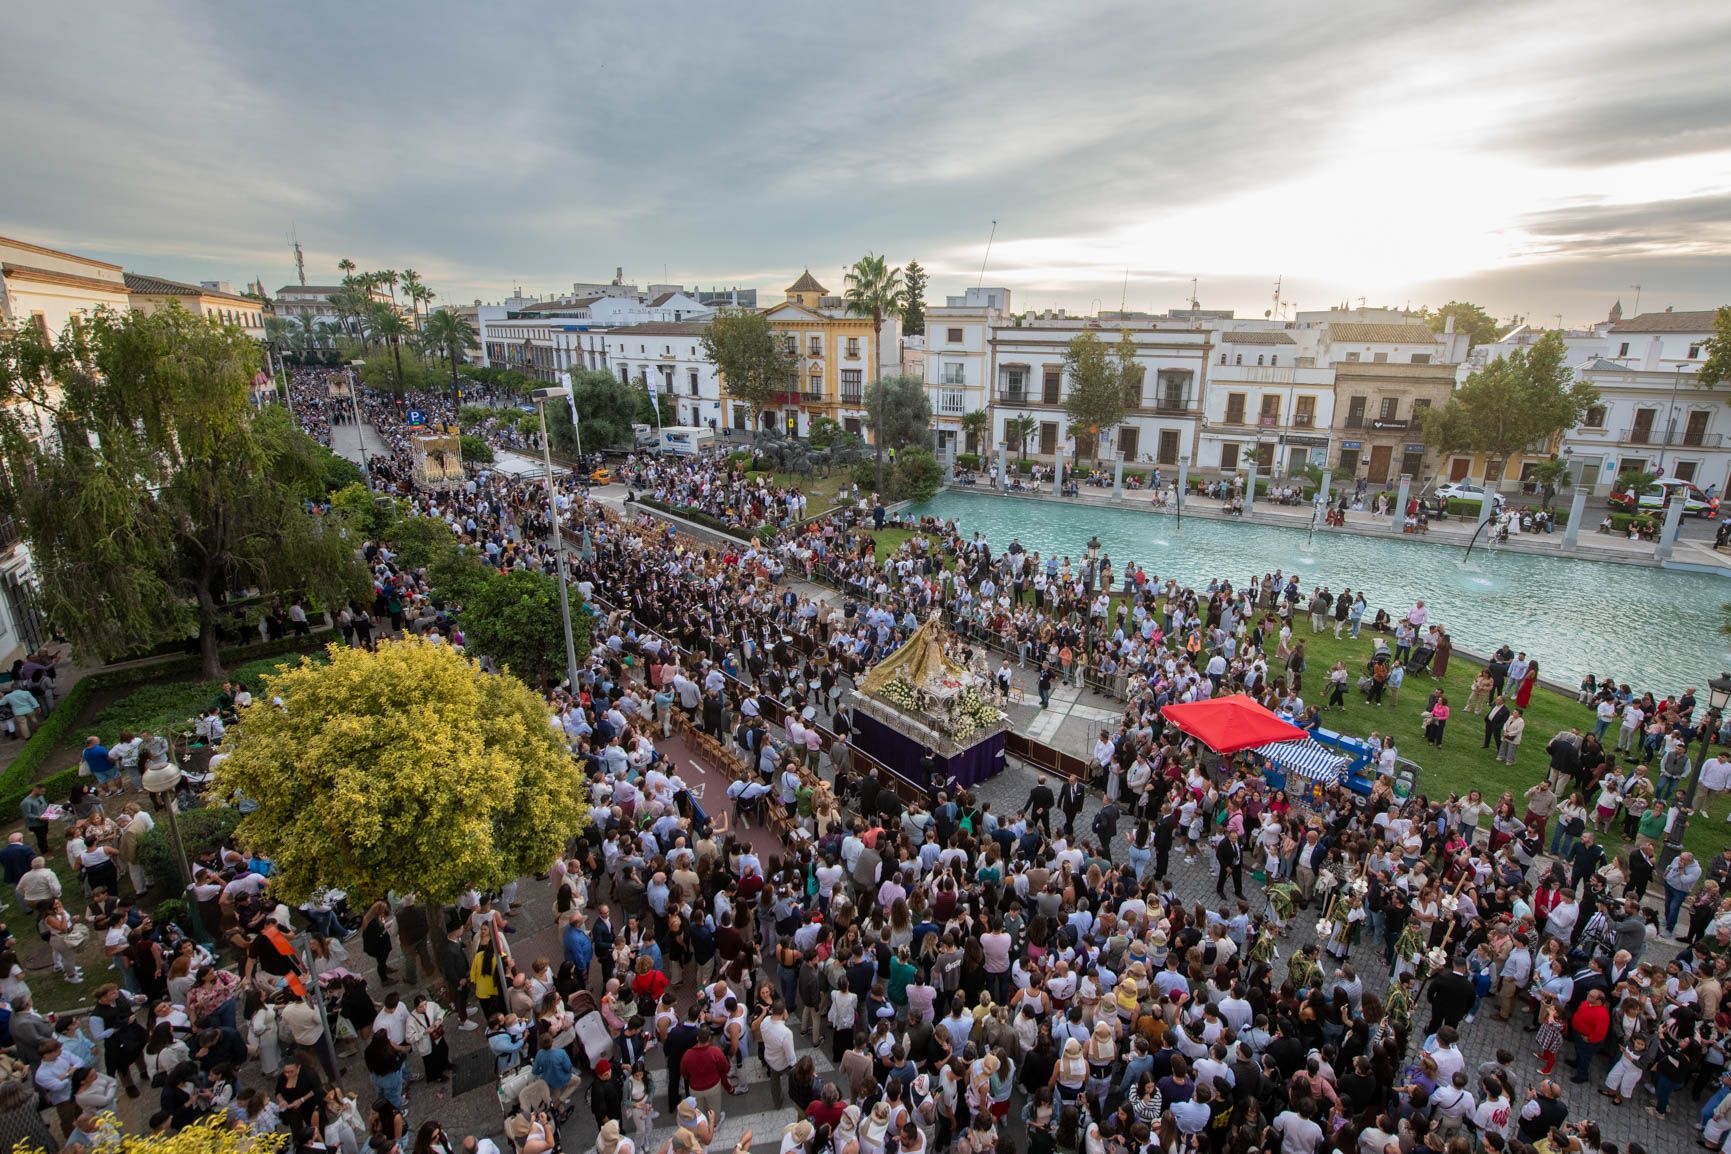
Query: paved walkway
1593, 545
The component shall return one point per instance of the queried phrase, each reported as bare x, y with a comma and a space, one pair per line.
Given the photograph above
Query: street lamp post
355, 408
1677, 822
542, 396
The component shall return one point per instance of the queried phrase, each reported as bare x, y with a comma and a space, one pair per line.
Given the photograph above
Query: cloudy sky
1540, 158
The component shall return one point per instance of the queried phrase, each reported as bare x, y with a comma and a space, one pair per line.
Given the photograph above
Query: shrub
174, 910
475, 449
917, 474
738, 458
695, 516
1620, 522
202, 831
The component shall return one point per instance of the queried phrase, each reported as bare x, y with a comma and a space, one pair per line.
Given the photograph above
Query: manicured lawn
821, 492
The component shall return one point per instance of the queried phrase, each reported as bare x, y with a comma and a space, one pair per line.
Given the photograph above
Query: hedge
1620, 522
18, 777
695, 516
202, 831
967, 460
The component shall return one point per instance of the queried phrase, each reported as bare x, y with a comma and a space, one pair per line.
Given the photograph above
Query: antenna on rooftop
1637, 289
1194, 303
988, 256
300, 259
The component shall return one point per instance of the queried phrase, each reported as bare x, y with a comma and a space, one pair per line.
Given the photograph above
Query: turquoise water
1653, 628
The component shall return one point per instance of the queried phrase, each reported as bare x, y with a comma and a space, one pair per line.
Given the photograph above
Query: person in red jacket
704, 1068
1588, 1027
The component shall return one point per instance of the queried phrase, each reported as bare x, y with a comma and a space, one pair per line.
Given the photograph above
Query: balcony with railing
1687, 438
852, 395
796, 398
1172, 402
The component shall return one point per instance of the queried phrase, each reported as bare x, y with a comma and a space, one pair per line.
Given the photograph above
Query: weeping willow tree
150, 489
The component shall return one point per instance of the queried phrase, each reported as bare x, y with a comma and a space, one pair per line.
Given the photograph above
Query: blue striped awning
1308, 758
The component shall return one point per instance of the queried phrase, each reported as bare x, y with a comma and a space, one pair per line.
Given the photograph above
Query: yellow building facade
834, 358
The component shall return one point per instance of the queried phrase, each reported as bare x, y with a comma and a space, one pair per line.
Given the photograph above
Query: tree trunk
397, 356
209, 642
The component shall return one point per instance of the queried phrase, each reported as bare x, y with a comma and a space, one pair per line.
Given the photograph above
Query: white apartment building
1652, 416
1259, 398
1027, 363
545, 339
669, 356
958, 362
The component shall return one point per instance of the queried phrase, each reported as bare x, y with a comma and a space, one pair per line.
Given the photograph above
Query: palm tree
387, 324
875, 290
347, 268
412, 290
389, 278
1017, 430
978, 425
449, 335
352, 302
306, 340
1548, 475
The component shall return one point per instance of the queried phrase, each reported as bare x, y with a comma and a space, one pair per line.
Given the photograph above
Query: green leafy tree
1481, 328
370, 514
1549, 476
450, 336
900, 416
876, 291
1017, 431
404, 769
1633, 481
918, 474
1511, 404
150, 488
1716, 369
475, 450
660, 408
754, 366
1095, 403
514, 619
914, 312
608, 406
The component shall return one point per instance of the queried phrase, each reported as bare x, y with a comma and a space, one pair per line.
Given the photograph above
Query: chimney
1448, 324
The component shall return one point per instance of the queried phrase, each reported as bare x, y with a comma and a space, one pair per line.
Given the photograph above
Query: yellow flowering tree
405, 769
215, 1134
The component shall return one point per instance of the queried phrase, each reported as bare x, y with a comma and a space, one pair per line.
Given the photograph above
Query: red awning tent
1231, 724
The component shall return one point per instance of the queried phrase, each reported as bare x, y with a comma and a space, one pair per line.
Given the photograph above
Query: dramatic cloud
1508, 151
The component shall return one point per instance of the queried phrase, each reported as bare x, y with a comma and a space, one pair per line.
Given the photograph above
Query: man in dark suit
680, 1039
602, 935
1070, 800
1450, 996
1040, 803
1494, 721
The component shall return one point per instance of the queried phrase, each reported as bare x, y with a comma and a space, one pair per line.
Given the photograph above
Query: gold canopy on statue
920, 660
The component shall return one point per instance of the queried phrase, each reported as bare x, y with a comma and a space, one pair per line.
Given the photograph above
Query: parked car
1466, 491
1660, 494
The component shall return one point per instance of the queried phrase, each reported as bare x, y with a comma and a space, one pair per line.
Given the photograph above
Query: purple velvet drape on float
904, 755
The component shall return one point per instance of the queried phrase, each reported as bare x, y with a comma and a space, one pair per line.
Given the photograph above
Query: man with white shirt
778, 1049
1447, 1055
1715, 778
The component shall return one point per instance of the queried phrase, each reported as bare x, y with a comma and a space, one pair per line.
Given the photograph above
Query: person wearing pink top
1438, 717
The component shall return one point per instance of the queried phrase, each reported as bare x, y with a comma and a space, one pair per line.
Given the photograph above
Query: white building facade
1028, 380
958, 363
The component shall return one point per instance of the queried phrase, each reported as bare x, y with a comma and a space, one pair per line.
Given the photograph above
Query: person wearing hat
606, 1096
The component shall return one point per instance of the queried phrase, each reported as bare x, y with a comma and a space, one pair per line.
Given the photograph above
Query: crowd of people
980, 979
